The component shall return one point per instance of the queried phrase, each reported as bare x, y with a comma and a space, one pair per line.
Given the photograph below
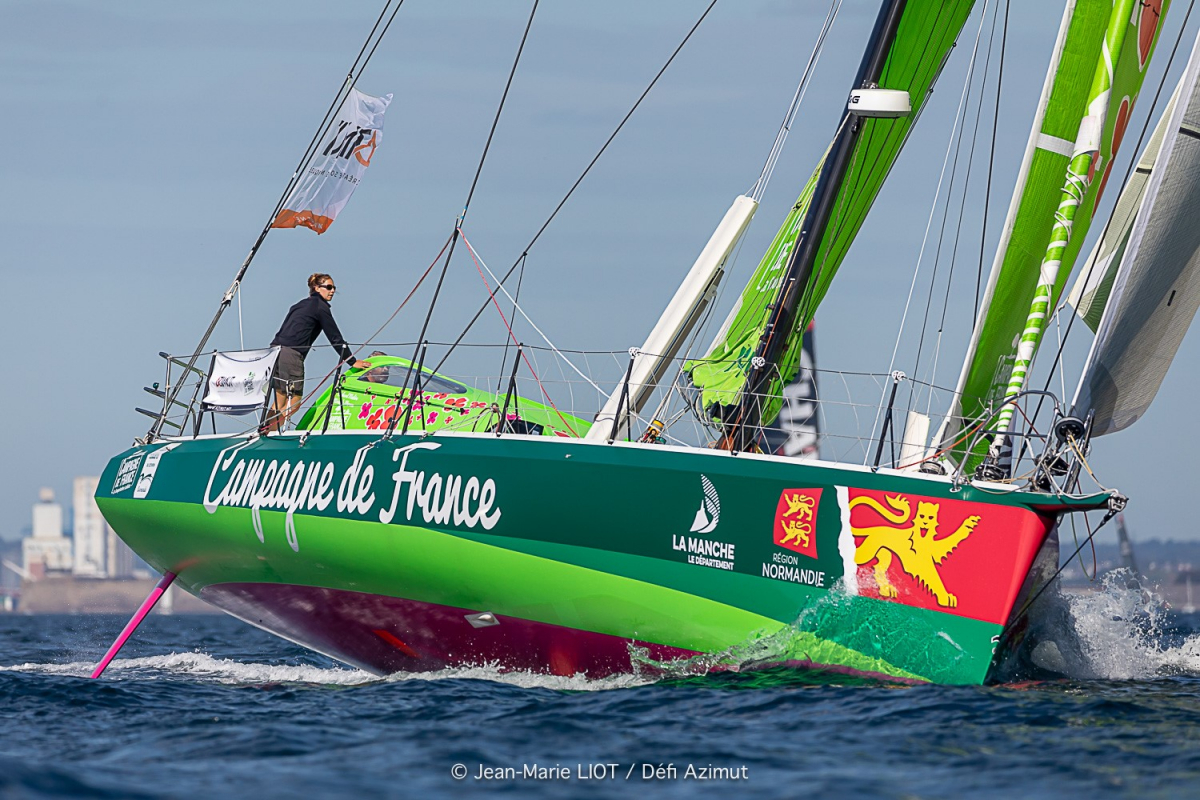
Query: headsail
1157, 287
925, 35
1089, 296
1067, 99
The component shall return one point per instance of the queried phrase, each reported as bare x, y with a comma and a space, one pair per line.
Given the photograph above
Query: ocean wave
1118, 631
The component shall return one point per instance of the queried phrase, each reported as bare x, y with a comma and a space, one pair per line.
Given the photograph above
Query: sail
1089, 296
1157, 287
926, 34
796, 433
1031, 222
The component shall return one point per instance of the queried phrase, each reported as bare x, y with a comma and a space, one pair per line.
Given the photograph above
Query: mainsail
925, 35
796, 433
1156, 290
1067, 115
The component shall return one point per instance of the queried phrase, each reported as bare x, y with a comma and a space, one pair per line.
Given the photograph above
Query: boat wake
1119, 631
204, 668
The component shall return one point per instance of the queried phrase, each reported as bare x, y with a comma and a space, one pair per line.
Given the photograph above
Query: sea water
208, 706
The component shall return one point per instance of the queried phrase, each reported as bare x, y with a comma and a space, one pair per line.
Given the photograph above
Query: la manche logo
703, 551
709, 513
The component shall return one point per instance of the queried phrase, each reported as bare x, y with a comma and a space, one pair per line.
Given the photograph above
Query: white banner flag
238, 381
338, 165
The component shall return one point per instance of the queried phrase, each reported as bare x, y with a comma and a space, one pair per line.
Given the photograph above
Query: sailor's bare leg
281, 411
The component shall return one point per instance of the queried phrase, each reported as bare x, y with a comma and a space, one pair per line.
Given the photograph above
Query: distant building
47, 550
121, 561
91, 531
98, 551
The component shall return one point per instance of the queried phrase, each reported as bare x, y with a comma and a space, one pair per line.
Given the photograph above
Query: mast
745, 419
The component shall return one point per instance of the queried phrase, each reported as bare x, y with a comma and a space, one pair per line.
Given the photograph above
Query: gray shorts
289, 372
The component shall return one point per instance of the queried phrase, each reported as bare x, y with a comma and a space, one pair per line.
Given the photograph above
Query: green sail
1031, 218
926, 34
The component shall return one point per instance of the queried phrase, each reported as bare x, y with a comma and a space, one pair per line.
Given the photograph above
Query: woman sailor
300, 328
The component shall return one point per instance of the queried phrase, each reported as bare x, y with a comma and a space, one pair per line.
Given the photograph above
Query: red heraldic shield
796, 520
955, 556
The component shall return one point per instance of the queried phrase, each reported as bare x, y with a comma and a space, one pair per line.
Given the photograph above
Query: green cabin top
369, 399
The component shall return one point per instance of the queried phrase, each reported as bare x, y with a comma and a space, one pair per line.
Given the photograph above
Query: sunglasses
329, 286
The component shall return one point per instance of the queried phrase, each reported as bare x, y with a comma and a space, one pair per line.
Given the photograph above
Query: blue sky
147, 143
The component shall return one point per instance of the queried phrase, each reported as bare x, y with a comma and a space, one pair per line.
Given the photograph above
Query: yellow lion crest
916, 545
798, 529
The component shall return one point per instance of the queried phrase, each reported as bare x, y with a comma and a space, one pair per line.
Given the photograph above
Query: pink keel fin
134, 621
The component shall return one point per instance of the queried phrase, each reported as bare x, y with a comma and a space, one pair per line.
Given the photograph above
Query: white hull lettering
703, 547
441, 498
258, 484
783, 572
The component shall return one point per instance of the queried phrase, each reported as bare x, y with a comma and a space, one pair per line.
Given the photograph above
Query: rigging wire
471, 193
479, 263
760, 186
987, 195
937, 350
959, 114
516, 297
356, 70
580, 179
492, 296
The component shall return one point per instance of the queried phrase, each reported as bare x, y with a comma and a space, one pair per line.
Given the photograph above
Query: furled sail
1059, 124
926, 33
1156, 290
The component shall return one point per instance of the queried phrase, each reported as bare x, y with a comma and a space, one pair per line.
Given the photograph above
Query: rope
479, 263
512, 336
471, 193
760, 186
579, 180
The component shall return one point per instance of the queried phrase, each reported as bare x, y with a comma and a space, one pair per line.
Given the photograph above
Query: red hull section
388, 634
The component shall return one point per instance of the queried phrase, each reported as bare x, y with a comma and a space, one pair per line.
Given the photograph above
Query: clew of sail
1156, 290
1069, 96
926, 34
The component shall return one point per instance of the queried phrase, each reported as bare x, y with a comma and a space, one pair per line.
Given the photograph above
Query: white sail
1157, 287
1089, 296
677, 320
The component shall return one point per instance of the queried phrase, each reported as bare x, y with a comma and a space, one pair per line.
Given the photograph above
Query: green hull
569, 545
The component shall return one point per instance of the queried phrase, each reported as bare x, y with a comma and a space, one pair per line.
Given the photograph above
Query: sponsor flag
237, 382
338, 165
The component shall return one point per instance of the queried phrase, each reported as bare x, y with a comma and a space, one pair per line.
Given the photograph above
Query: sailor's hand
360, 364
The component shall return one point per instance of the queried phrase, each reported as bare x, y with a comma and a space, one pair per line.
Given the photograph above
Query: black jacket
304, 321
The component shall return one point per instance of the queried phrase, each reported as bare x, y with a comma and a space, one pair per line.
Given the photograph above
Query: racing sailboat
413, 523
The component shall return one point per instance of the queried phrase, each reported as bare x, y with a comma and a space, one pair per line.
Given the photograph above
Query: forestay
1157, 286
